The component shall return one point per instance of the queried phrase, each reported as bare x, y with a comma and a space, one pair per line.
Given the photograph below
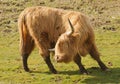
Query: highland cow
69, 32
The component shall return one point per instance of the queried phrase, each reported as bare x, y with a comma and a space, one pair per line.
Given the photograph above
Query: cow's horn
51, 50
71, 26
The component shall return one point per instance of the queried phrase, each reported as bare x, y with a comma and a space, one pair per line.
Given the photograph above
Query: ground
105, 17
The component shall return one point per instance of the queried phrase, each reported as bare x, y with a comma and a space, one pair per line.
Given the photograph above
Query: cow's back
43, 20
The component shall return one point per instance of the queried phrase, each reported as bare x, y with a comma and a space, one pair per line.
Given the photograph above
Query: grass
107, 40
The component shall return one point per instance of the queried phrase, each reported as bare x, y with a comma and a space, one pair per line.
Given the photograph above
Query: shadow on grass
112, 76
77, 72
59, 72
98, 76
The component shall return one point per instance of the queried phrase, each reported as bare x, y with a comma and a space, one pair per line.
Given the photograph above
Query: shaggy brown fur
44, 26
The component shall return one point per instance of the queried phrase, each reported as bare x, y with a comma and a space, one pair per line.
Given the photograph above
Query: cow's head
66, 46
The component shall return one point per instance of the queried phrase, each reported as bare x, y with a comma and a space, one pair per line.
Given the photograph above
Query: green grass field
107, 31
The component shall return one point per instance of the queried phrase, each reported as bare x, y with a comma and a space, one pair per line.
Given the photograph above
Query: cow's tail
26, 41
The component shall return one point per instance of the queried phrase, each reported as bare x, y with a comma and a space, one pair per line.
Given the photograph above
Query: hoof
27, 69
84, 72
54, 72
107, 70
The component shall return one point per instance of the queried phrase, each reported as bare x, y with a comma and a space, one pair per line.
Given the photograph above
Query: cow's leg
77, 60
95, 55
50, 65
24, 60
43, 45
46, 56
26, 47
25, 54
